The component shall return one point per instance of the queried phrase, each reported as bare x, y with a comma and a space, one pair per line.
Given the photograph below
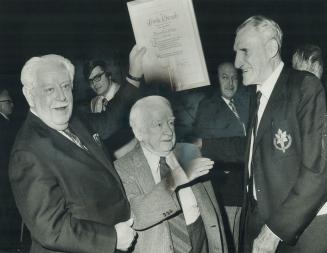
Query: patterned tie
74, 138
233, 108
254, 130
177, 226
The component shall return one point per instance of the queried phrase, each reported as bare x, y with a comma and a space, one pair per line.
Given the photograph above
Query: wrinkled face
51, 97
6, 103
158, 132
252, 55
98, 80
228, 80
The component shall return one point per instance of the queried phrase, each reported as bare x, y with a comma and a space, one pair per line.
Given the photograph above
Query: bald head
228, 79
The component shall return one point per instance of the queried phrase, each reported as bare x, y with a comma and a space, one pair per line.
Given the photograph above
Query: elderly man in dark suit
172, 212
225, 114
286, 173
65, 186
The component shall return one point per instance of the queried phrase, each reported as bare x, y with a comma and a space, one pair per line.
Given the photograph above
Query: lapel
277, 96
143, 170
95, 152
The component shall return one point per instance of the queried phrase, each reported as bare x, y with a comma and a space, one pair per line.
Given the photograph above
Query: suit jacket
69, 198
215, 120
152, 204
289, 160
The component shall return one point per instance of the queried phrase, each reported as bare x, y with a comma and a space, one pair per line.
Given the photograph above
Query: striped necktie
177, 226
233, 108
74, 138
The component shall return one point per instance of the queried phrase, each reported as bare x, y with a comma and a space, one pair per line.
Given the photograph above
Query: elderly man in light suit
160, 200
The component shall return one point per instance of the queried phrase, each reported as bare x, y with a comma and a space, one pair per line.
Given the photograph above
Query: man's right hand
125, 234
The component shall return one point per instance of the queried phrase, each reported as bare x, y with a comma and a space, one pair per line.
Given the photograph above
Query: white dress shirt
186, 196
266, 89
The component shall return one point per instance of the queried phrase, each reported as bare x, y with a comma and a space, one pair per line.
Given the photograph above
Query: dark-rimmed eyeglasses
96, 78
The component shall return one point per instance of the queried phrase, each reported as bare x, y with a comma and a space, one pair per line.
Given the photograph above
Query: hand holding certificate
168, 29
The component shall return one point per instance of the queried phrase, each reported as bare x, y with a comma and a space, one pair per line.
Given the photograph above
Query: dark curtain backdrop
84, 29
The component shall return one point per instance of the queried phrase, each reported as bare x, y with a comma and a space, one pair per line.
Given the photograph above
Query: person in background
174, 209
10, 220
108, 92
308, 57
64, 183
225, 113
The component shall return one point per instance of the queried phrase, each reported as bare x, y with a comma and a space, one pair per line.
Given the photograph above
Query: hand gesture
198, 167
136, 61
125, 234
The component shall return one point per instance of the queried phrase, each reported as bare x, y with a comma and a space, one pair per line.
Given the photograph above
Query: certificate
168, 29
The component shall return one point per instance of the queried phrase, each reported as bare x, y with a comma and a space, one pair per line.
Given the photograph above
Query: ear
29, 96
137, 133
272, 47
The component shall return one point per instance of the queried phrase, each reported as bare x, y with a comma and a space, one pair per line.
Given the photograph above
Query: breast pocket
282, 139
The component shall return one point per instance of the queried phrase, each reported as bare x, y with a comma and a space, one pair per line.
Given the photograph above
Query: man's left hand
266, 242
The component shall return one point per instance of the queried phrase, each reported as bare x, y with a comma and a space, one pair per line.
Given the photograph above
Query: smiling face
99, 82
253, 55
228, 80
51, 98
156, 129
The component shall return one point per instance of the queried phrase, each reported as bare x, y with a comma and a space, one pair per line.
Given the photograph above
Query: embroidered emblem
97, 139
282, 140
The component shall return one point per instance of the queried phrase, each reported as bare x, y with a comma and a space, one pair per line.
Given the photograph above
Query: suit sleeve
47, 213
150, 208
309, 191
116, 115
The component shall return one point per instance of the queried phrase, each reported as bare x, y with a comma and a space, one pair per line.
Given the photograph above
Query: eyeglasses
96, 78
7, 100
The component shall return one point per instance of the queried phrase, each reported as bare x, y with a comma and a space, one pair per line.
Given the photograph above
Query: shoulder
126, 162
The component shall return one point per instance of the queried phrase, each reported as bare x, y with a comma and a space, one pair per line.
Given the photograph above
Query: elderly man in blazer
160, 200
286, 154
65, 186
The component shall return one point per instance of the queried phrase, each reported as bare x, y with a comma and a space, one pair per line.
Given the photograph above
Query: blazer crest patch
282, 140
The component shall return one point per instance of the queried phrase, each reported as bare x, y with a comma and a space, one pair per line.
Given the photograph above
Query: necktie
233, 108
177, 226
74, 138
254, 130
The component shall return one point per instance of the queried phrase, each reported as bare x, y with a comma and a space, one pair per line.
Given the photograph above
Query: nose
168, 129
238, 61
60, 94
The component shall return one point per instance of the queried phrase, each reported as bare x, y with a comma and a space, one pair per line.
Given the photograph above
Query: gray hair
308, 57
266, 26
28, 74
142, 106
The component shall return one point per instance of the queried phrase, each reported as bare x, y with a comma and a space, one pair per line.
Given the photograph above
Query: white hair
141, 108
266, 26
28, 74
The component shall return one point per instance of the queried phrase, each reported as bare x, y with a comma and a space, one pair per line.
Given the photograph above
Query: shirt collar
267, 86
226, 100
114, 87
153, 159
